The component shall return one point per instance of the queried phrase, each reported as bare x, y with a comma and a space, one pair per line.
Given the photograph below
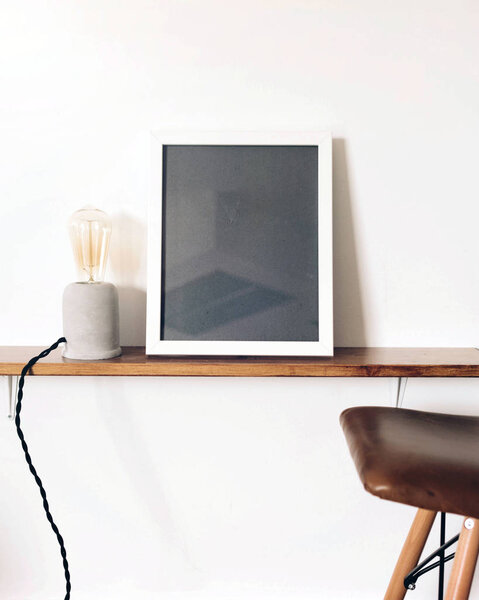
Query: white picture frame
323, 346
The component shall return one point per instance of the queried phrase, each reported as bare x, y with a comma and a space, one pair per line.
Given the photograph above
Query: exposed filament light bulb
90, 231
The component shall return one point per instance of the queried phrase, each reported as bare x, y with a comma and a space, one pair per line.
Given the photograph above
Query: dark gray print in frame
239, 243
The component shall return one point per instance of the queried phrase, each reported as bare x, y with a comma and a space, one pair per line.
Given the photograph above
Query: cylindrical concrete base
91, 321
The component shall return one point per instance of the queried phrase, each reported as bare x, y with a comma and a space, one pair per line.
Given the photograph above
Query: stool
427, 460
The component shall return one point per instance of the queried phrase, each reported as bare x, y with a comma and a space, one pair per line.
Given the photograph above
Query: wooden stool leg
410, 553
464, 564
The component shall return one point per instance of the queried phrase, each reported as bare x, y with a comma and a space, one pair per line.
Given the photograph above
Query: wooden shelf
347, 362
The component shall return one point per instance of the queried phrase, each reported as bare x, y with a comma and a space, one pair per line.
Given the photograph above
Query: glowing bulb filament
90, 231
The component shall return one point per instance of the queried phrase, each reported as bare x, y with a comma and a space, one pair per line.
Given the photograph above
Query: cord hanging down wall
28, 458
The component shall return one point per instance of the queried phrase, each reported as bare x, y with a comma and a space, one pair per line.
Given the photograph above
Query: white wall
201, 489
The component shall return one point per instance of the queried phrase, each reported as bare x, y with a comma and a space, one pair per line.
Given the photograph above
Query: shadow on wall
349, 329
145, 478
128, 265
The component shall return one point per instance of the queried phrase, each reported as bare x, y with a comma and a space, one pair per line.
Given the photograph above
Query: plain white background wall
212, 488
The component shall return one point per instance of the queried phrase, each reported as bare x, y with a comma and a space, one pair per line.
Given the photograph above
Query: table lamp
90, 305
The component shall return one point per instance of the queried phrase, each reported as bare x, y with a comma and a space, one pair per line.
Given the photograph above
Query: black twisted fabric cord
33, 471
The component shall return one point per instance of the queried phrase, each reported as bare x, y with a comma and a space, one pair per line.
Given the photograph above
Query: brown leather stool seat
428, 460
425, 459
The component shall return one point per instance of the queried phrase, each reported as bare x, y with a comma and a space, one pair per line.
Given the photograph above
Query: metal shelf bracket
11, 390
401, 388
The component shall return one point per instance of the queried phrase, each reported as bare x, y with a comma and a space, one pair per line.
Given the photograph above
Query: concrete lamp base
91, 321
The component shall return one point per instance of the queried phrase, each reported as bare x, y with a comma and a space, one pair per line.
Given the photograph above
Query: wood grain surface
346, 362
